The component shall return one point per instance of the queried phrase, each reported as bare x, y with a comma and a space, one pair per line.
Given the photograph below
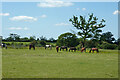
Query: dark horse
93, 49
57, 48
63, 47
4, 46
72, 48
31, 46
83, 49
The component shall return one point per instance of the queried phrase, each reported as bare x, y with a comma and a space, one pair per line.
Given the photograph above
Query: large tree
43, 38
87, 28
67, 39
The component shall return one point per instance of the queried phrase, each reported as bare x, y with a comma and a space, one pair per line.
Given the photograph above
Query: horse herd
57, 48
74, 49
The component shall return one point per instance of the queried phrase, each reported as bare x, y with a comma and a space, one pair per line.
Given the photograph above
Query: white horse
4, 45
48, 46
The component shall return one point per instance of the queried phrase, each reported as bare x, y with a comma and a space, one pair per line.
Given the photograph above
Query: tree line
106, 41
16, 38
89, 33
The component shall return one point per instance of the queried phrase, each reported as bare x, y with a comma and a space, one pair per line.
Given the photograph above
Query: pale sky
51, 18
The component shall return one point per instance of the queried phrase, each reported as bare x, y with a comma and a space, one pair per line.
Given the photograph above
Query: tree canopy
108, 37
67, 39
87, 28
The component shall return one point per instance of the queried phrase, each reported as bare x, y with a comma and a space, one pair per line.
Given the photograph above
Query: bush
91, 44
119, 47
43, 43
106, 45
78, 47
7, 43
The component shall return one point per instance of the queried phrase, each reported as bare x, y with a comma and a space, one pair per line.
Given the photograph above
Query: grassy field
41, 63
54, 43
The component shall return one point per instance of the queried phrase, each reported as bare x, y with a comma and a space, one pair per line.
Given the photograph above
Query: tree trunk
84, 42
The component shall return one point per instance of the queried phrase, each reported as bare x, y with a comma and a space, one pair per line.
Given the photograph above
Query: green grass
41, 63
17, 42
54, 43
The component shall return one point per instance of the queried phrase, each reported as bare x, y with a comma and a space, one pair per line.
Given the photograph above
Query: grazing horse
4, 46
57, 48
63, 47
48, 46
93, 49
83, 49
72, 48
31, 46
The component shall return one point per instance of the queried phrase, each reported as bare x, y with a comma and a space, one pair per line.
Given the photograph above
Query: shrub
119, 47
106, 45
91, 44
43, 43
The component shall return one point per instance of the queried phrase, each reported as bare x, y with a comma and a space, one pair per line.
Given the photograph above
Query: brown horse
72, 48
31, 46
83, 49
94, 49
63, 47
57, 48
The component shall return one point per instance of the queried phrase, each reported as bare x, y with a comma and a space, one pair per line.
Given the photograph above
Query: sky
51, 18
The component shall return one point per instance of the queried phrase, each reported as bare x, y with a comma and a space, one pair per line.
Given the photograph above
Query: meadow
41, 63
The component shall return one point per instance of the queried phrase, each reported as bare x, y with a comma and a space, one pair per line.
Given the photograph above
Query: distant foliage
119, 47
107, 45
91, 43
42, 43
108, 37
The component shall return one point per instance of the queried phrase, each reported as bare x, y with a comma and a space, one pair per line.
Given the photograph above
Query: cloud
83, 9
62, 24
54, 3
43, 16
18, 28
23, 18
79, 9
116, 12
4, 14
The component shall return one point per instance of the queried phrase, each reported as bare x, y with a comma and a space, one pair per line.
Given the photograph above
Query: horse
4, 45
94, 49
48, 46
63, 47
83, 49
31, 46
57, 48
72, 48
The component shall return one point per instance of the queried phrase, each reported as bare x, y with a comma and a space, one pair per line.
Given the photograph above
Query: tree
13, 37
67, 39
17, 37
51, 39
87, 28
43, 38
43, 43
108, 37
32, 38
37, 39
